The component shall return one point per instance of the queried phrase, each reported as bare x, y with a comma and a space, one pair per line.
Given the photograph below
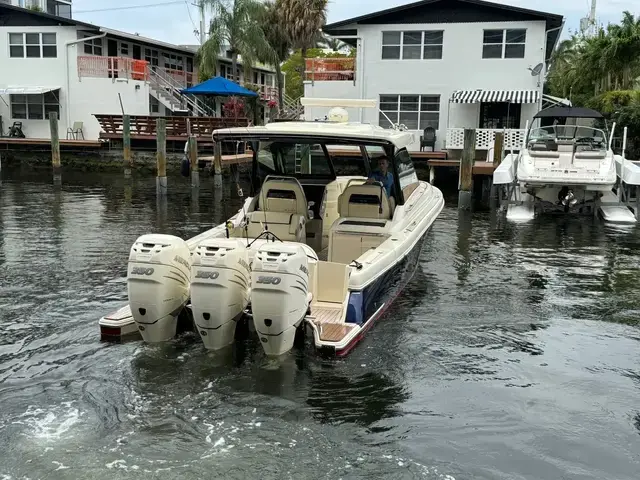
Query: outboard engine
280, 294
220, 289
158, 284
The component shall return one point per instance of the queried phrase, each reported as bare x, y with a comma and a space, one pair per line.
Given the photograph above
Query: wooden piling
193, 161
498, 145
217, 164
55, 144
465, 188
126, 145
161, 156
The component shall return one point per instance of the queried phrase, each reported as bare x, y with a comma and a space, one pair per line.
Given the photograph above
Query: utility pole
202, 23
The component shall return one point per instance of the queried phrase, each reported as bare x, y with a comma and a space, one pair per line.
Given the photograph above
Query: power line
129, 7
195, 29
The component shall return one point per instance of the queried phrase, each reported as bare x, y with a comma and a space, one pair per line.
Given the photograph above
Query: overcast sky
172, 23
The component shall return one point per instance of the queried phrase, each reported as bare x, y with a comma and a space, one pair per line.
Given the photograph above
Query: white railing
485, 137
112, 67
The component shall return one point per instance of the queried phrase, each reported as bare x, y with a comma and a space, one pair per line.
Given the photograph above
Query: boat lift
621, 205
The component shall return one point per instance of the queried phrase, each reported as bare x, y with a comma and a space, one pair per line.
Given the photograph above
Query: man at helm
383, 175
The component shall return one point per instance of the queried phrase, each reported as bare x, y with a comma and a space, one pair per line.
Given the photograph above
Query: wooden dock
143, 127
7, 142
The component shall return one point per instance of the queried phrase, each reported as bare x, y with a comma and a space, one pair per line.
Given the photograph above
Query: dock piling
498, 154
126, 145
55, 147
217, 164
465, 186
161, 156
193, 160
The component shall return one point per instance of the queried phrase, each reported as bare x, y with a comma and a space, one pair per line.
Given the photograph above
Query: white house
446, 64
51, 63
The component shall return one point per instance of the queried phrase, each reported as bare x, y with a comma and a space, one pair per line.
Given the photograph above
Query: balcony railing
113, 67
330, 69
485, 137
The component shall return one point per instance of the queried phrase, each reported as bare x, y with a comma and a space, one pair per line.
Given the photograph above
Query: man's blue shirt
386, 180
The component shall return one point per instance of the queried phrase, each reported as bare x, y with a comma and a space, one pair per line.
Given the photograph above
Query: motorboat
318, 248
565, 165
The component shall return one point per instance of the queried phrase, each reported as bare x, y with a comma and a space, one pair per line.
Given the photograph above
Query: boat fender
184, 167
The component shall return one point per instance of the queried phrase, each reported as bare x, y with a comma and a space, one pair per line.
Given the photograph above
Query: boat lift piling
55, 148
192, 153
126, 145
467, 160
161, 156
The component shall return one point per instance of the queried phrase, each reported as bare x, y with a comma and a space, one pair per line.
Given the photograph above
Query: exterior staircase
166, 90
292, 108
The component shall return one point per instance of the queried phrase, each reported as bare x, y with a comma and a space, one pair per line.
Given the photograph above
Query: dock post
161, 156
498, 152
432, 174
465, 186
217, 165
55, 147
193, 160
126, 145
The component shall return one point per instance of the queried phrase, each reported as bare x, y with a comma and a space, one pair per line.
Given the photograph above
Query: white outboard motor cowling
220, 289
158, 284
279, 294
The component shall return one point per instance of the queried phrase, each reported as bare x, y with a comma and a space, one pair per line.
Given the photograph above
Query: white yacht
564, 166
316, 248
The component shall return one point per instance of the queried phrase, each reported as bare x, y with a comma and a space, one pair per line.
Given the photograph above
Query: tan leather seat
365, 201
282, 209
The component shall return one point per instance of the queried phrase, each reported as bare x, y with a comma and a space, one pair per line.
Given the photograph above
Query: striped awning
512, 96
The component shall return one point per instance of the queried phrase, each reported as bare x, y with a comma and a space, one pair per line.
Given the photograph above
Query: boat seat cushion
364, 201
286, 226
590, 155
283, 194
543, 154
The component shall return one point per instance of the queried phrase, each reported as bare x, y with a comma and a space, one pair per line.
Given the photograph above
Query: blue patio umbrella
220, 87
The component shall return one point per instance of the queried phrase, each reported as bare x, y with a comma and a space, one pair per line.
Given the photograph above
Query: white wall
79, 99
461, 68
327, 89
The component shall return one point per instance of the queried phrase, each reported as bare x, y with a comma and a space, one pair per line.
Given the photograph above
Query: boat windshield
547, 138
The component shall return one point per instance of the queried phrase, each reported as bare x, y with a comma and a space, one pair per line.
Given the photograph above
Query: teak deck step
326, 315
333, 332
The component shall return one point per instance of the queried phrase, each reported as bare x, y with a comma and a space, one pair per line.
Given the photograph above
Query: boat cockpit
318, 194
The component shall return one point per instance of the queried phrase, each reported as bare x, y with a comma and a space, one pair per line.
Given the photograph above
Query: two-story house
51, 63
446, 64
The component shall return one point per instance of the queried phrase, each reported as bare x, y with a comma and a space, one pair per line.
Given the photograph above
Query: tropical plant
279, 43
302, 20
236, 26
331, 43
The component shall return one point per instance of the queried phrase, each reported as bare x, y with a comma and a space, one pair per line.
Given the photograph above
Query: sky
175, 22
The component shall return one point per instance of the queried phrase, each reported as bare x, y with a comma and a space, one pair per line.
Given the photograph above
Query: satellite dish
536, 70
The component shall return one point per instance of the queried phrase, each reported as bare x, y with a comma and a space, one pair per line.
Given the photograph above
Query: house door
500, 115
112, 51
112, 48
137, 52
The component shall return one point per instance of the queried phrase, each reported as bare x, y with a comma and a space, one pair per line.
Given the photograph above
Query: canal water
514, 353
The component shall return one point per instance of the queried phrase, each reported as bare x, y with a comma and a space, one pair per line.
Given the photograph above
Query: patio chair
15, 130
75, 131
428, 139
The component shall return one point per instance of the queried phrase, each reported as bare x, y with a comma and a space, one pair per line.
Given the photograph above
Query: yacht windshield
585, 138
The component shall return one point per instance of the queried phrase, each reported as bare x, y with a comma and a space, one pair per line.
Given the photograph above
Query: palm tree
236, 26
334, 44
302, 20
279, 43
624, 48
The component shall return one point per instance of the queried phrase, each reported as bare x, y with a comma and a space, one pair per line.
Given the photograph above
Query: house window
151, 56
417, 112
413, 45
32, 45
173, 62
93, 47
504, 43
34, 107
154, 104
124, 49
